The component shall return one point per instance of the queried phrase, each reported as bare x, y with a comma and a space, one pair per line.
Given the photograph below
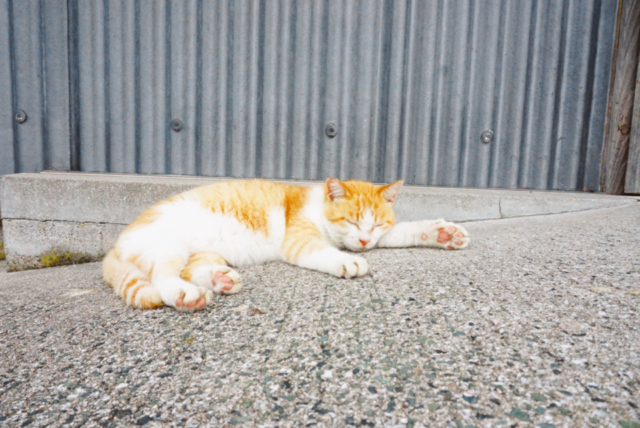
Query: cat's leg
425, 233
313, 253
211, 271
175, 291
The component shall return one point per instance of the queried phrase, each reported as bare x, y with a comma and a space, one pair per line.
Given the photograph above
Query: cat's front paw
451, 236
350, 266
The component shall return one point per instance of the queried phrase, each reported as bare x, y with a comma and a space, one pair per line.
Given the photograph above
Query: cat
179, 251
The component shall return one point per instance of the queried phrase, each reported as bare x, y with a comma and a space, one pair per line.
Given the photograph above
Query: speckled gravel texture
535, 324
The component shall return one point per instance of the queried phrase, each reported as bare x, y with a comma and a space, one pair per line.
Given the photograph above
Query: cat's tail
130, 283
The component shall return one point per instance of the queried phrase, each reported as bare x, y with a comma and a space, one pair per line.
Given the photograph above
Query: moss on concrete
51, 258
3, 255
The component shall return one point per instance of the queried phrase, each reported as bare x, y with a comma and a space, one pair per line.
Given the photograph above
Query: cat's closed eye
353, 223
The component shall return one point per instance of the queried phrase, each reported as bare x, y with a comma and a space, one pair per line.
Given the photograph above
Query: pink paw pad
452, 237
197, 304
224, 279
424, 237
443, 236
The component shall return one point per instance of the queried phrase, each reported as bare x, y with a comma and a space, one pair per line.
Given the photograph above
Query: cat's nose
364, 242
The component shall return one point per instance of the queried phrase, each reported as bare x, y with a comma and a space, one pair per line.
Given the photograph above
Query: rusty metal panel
249, 88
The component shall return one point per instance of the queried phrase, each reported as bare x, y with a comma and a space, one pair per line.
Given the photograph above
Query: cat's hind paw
187, 303
217, 278
452, 236
183, 295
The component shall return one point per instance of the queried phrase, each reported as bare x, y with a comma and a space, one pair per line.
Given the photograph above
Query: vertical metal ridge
288, 79
283, 96
589, 87
405, 104
312, 115
14, 88
85, 74
464, 123
168, 146
467, 123
207, 90
312, 131
347, 53
524, 143
557, 99
199, 102
322, 84
99, 84
137, 84
259, 114
75, 113
127, 148
434, 116
44, 128
395, 92
238, 86
229, 133
106, 88
331, 112
188, 110
372, 88
253, 80
269, 65
382, 95
300, 83
497, 97
221, 80
8, 137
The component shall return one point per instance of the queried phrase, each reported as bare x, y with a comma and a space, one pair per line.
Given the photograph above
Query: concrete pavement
535, 324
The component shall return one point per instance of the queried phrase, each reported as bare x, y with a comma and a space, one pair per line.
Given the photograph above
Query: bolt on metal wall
451, 93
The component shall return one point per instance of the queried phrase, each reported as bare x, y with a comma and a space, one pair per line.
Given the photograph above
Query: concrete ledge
36, 243
83, 213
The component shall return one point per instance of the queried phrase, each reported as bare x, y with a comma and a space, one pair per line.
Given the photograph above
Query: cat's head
359, 213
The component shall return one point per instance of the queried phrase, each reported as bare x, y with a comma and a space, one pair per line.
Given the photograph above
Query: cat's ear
390, 191
335, 190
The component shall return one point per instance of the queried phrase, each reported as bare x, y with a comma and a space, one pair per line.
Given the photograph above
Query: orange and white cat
179, 251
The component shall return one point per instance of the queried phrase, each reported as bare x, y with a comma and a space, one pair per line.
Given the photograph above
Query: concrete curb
83, 213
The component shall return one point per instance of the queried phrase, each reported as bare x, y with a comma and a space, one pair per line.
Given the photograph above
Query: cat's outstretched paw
217, 278
184, 296
350, 266
451, 236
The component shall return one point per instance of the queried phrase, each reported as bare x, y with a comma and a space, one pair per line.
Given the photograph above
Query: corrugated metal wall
34, 78
411, 86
